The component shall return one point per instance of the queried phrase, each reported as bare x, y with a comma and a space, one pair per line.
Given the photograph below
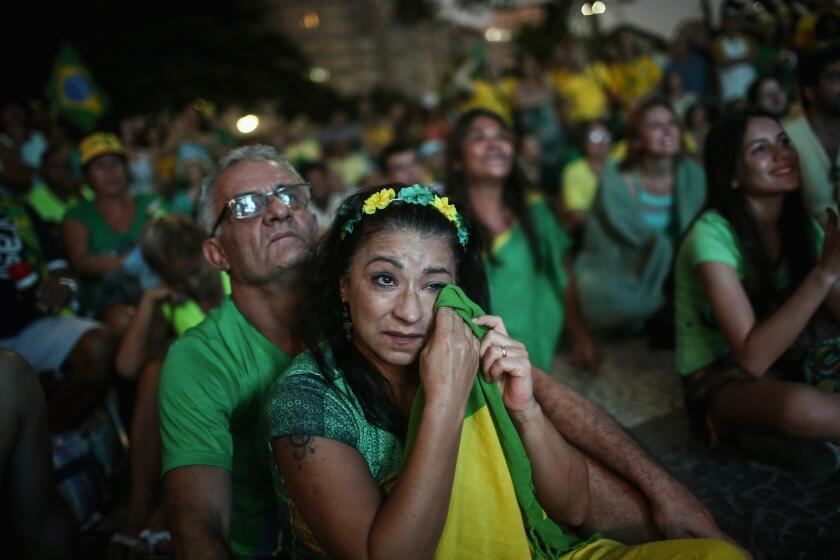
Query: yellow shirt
582, 92
492, 97
580, 185
635, 79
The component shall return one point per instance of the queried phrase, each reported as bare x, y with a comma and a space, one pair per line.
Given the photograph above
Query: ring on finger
504, 351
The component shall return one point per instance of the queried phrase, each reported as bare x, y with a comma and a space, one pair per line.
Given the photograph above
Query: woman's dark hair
635, 122
723, 153
515, 185
322, 318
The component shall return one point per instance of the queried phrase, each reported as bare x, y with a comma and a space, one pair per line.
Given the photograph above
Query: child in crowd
190, 288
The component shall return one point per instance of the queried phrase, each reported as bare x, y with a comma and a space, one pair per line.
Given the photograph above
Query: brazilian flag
73, 92
493, 510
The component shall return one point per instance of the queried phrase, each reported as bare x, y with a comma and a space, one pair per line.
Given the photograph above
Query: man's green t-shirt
700, 341
529, 299
212, 390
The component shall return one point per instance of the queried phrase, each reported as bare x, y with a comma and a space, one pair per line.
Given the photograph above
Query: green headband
415, 194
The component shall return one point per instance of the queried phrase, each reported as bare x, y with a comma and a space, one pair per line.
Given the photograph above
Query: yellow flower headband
415, 194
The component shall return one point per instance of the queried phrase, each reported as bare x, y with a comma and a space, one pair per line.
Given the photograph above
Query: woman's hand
449, 361
830, 259
506, 360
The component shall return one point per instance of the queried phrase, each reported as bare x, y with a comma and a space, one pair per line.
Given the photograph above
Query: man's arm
675, 511
198, 501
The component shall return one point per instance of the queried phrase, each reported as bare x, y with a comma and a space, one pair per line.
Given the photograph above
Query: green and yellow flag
493, 509
72, 91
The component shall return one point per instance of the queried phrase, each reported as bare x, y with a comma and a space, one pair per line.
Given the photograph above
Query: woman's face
772, 98
487, 150
391, 288
659, 135
108, 175
769, 163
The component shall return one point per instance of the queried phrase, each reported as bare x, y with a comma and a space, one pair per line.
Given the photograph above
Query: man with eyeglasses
816, 134
215, 458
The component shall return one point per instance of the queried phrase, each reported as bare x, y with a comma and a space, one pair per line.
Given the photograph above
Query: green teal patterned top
303, 401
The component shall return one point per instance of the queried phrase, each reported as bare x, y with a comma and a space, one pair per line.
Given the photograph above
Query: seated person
58, 190
325, 197
98, 234
754, 283
526, 261
642, 208
338, 417
581, 177
190, 288
73, 356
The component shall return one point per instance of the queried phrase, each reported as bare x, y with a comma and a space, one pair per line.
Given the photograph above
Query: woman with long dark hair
755, 282
370, 466
643, 206
525, 244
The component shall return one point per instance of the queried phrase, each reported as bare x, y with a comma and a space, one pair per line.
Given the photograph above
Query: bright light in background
310, 20
758, 6
319, 75
497, 35
247, 124
593, 9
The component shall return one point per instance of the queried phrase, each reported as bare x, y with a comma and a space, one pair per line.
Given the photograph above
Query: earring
734, 185
346, 322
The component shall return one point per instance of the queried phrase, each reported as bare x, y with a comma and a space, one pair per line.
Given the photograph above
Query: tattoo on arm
302, 446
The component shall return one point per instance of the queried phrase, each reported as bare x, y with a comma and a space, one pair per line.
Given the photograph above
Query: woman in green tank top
525, 245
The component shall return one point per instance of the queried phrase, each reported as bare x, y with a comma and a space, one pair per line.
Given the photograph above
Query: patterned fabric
303, 402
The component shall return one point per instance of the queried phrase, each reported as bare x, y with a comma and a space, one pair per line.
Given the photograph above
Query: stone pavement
771, 512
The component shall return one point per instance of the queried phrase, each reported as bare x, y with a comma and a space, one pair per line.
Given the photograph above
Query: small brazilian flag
493, 510
73, 92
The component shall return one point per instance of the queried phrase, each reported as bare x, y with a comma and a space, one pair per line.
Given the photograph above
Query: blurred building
358, 45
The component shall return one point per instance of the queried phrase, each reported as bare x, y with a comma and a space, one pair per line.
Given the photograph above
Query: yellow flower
378, 201
445, 208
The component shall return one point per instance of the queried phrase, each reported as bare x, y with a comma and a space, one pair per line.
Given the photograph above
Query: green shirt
700, 341
102, 240
531, 300
51, 208
210, 399
303, 402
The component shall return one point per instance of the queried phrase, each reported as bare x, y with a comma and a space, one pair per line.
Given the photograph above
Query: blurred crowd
102, 264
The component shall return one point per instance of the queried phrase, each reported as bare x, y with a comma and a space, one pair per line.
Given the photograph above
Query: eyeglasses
253, 204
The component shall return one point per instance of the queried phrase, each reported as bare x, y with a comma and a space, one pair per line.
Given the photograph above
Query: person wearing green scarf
386, 441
